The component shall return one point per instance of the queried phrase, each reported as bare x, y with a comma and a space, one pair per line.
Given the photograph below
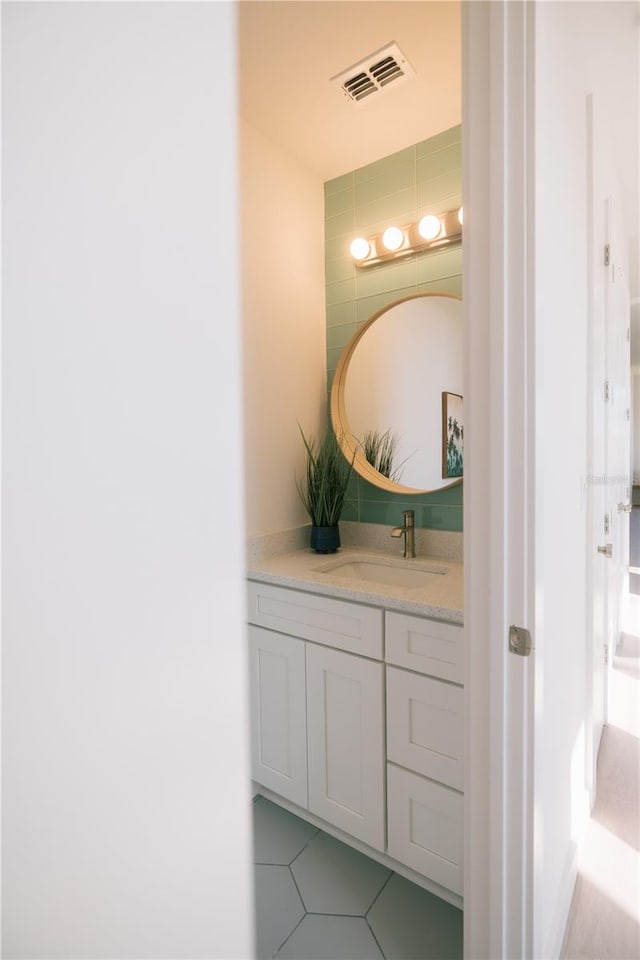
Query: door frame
597, 570
618, 329
500, 470
608, 480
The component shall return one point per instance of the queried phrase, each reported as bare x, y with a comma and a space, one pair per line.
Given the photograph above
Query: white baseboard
558, 927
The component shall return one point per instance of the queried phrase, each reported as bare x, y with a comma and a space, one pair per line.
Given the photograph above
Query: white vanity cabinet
317, 704
425, 748
357, 717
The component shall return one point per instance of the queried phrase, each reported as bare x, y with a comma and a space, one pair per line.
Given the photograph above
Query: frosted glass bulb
393, 238
429, 227
360, 248
460, 221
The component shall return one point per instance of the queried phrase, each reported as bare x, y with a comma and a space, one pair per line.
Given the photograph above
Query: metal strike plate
520, 641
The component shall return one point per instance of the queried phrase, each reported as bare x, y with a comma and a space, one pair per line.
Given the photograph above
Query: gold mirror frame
350, 447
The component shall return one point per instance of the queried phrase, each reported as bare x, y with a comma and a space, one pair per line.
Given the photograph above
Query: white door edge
498, 118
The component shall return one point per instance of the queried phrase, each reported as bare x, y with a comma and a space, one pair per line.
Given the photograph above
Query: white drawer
335, 623
425, 827
427, 646
425, 726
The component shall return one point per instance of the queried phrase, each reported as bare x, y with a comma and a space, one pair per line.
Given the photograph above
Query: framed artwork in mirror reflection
452, 435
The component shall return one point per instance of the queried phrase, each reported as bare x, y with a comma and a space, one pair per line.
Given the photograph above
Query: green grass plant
323, 488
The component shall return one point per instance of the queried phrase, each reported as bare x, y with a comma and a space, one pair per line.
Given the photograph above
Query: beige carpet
604, 922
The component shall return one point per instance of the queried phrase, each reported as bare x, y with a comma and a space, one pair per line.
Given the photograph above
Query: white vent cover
371, 75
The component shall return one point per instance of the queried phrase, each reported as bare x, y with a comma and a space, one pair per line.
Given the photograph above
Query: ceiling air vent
374, 73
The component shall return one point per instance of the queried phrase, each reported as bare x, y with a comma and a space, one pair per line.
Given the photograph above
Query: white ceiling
289, 51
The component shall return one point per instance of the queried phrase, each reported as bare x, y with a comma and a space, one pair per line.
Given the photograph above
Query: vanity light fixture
430, 231
392, 239
430, 227
360, 248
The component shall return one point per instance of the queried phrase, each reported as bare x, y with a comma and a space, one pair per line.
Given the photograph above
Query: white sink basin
392, 573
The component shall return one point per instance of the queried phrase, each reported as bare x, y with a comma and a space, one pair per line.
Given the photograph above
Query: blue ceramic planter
325, 539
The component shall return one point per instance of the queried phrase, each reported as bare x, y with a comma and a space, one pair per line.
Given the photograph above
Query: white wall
284, 327
569, 44
125, 773
635, 420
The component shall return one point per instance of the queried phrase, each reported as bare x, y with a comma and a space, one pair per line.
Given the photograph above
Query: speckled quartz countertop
440, 597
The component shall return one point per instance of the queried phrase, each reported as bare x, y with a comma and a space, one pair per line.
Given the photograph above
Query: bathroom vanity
357, 703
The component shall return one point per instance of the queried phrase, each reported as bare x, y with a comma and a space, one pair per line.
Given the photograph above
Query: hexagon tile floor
318, 899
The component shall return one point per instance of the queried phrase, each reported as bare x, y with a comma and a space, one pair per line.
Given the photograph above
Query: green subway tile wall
425, 178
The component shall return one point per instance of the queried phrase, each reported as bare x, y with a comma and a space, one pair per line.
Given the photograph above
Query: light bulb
429, 227
460, 220
360, 248
393, 238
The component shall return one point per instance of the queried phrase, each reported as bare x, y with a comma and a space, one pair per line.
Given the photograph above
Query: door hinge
607, 391
628, 414
520, 641
607, 254
606, 654
607, 524
628, 334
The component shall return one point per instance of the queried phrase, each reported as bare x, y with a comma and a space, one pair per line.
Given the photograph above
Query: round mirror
396, 399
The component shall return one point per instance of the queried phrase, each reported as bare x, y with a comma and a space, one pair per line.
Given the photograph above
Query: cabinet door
345, 722
425, 826
278, 713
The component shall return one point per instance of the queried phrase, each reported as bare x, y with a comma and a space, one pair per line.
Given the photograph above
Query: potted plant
323, 489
